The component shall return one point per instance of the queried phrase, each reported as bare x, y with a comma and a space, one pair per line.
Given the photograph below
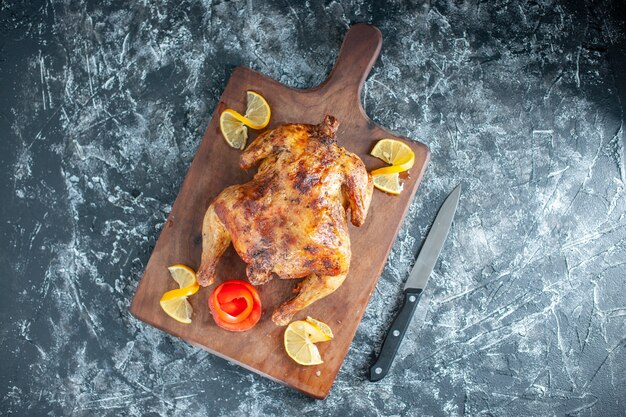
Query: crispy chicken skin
291, 219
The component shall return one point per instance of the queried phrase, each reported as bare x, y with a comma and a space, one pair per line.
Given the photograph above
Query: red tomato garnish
235, 305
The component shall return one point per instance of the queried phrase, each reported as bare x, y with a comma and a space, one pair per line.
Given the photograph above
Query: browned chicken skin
291, 218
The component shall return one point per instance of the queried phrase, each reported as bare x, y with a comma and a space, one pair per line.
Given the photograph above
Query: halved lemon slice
394, 152
258, 112
299, 342
234, 126
389, 183
234, 131
326, 333
183, 275
174, 302
178, 308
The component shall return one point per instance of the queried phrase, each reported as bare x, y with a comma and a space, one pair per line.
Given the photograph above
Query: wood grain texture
216, 166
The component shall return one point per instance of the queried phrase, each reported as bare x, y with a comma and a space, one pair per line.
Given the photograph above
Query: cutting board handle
358, 53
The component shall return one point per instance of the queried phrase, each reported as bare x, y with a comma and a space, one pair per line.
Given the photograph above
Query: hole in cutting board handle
358, 53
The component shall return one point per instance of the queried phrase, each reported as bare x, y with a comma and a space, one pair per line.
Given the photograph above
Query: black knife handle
395, 334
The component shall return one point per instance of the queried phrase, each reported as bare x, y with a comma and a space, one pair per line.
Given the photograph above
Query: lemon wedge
175, 303
389, 183
394, 152
300, 338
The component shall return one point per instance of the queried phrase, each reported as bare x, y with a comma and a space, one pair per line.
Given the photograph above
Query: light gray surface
102, 108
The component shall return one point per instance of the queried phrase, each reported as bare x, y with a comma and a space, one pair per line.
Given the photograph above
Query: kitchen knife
415, 284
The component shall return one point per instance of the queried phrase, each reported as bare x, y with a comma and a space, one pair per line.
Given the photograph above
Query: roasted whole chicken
291, 219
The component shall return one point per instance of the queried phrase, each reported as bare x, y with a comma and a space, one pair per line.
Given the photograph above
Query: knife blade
415, 284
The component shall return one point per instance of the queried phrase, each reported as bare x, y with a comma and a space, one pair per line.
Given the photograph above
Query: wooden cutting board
216, 166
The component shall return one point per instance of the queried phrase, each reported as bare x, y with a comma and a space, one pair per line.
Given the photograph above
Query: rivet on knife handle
395, 334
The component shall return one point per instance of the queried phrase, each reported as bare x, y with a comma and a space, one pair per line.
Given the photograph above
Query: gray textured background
103, 105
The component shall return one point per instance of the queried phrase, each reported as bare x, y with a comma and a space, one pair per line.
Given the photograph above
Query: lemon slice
183, 275
326, 333
178, 308
394, 152
389, 183
234, 126
299, 342
174, 302
234, 131
258, 112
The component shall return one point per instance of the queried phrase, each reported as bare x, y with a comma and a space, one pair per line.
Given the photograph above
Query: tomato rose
235, 305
